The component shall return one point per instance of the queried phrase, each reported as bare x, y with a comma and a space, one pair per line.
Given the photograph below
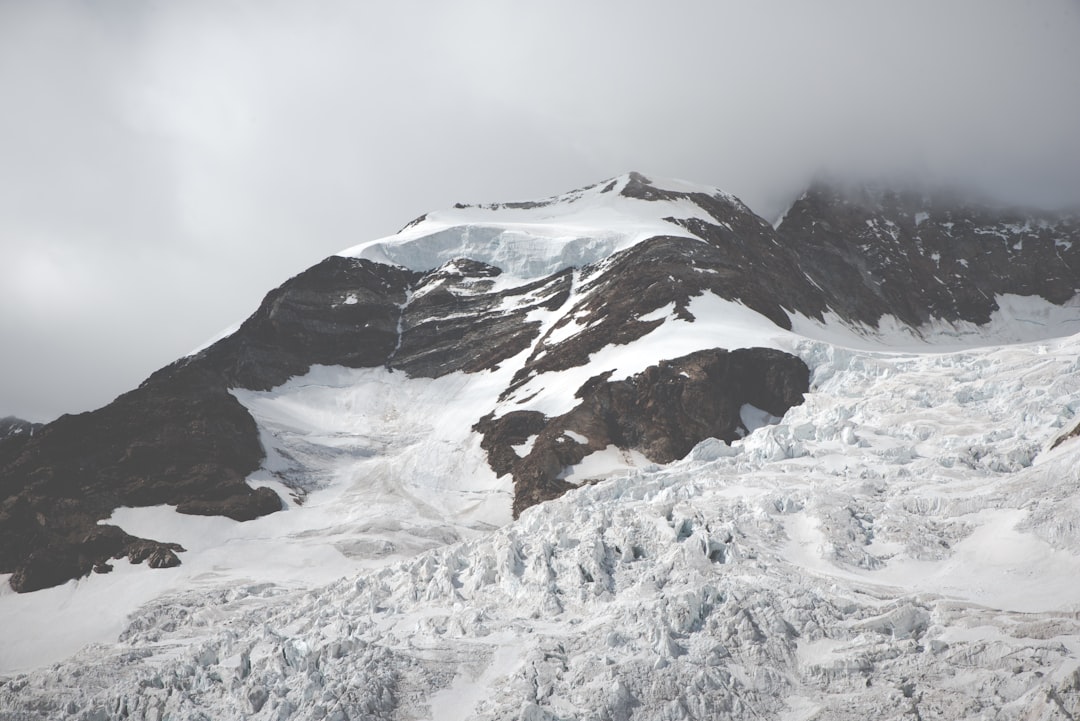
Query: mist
165, 164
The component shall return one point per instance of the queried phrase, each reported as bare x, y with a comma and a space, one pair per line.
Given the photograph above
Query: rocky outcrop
1074, 433
176, 439
662, 412
455, 321
14, 434
342, 311
54, 563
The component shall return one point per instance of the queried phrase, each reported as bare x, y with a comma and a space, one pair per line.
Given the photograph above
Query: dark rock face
1074, 433
340, 312
168, 441
452, 322
661, 412
14, 434
917, 257
55, 563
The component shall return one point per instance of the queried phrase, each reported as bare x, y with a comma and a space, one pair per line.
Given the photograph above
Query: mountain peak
533, 239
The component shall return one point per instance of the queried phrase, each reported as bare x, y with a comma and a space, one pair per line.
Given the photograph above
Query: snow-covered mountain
628, 452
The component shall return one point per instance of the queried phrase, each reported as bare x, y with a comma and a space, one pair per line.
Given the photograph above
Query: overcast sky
165, 163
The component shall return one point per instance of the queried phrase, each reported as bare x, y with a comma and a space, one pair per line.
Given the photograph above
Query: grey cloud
167, 163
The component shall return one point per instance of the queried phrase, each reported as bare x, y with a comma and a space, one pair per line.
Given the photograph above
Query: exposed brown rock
239, 507
57, 562
343, 311
156, 555
12, 427
661, 412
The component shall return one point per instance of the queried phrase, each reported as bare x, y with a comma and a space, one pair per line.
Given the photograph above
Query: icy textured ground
903, 545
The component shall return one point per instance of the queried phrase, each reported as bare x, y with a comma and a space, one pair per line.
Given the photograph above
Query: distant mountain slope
921, 257
12, 427
536, 304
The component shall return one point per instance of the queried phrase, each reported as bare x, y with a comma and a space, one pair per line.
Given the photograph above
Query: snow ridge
536, 239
